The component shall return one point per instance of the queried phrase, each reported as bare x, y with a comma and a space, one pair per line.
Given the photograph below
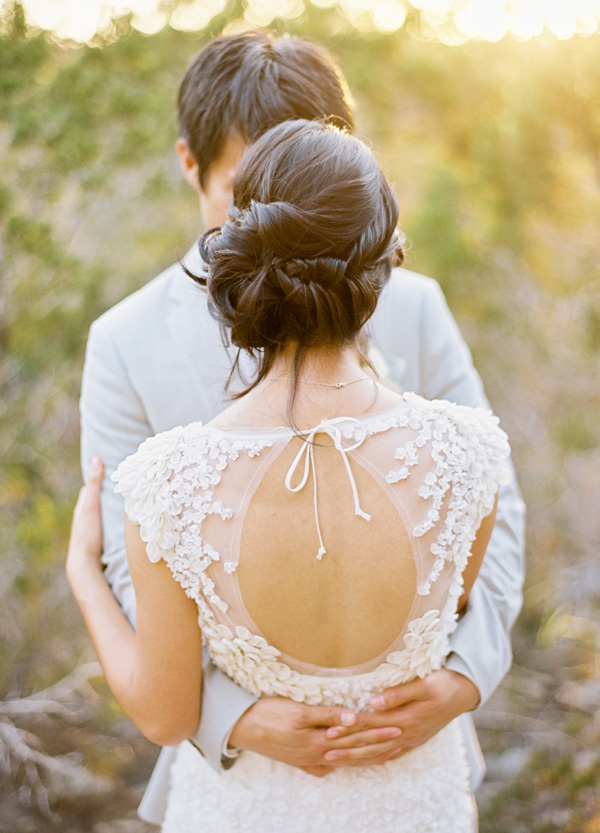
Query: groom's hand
297, 734
419, 709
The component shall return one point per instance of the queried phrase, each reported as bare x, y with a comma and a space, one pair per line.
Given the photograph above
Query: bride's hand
420, 709
85, 544
297, 734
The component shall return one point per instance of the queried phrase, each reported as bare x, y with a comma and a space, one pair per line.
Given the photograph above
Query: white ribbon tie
330, 427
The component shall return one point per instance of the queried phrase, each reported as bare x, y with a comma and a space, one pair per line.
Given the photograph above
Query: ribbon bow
330, 427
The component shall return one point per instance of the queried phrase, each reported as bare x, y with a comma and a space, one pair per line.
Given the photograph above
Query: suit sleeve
113, 424
481, 648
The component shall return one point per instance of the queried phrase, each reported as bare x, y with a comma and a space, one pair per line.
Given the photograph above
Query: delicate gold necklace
323, 384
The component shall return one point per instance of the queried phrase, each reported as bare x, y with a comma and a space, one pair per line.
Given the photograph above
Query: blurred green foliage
495, 155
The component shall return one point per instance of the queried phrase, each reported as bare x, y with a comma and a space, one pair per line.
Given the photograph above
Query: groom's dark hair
250, 82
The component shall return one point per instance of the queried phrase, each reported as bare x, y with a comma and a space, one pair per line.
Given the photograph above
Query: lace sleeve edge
144, 480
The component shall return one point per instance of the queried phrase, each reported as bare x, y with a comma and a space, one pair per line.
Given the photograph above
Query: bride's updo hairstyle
308, 247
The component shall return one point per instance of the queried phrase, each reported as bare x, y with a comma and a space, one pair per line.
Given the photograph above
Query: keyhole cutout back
347, 608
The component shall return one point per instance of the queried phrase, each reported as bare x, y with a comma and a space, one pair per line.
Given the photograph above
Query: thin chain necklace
323, 384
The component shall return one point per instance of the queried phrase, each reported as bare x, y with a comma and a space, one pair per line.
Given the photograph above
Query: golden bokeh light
389, 15
262, 12
490, 20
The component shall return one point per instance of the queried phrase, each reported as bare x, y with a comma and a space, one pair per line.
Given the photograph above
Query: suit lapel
198, 362
199, 356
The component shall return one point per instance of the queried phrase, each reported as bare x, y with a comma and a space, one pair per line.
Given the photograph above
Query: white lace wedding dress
438, 465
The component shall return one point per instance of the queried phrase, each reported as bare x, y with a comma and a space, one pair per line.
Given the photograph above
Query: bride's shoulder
160, 455
470, 426
170, 440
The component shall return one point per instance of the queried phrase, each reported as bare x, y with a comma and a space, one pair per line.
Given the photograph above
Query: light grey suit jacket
157, 360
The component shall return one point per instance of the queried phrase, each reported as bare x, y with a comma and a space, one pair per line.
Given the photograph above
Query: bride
320, 535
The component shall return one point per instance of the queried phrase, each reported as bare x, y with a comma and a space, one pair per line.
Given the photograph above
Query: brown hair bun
309, 244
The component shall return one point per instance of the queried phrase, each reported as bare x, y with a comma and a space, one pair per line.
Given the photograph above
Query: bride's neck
331, 383
325, 366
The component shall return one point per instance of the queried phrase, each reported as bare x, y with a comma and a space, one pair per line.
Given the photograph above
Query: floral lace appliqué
253, 663
168, 485
467, 450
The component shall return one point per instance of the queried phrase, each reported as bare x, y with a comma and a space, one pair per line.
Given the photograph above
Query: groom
156, 360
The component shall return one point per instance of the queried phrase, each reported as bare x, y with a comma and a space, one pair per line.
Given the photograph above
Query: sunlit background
490, 20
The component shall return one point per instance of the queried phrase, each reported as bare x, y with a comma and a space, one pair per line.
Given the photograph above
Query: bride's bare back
348, 607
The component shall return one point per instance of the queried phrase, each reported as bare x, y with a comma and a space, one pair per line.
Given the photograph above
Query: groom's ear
187, 163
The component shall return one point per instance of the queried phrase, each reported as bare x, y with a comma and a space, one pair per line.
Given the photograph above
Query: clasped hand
319, 738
